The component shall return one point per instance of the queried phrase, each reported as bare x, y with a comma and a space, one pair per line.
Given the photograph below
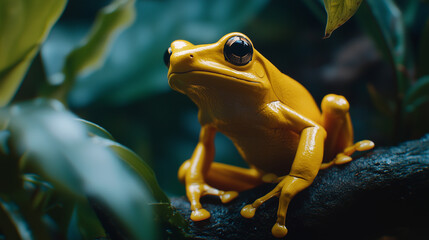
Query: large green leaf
101, 136
138, 165
24, 26
66, 155
90, 55
162, 206
339, 11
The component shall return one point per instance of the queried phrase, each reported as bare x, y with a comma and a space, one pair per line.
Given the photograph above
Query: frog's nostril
167, 56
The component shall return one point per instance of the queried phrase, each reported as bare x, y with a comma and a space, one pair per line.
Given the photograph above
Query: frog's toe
227, 197
364, 145
279, 230
248, 211
200, 215
342, 159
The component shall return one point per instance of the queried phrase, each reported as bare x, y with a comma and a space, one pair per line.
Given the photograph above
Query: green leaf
339, 11
162, 207
101, 136
90, 55
417, 95
71, 160
139, 166
24, 26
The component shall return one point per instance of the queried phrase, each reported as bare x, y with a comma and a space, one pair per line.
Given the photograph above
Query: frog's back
294, 95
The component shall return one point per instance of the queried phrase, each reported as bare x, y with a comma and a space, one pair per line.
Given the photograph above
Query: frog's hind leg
344, 156
337, 123
227, 177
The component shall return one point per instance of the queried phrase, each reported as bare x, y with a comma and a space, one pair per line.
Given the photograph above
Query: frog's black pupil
240, 48
167, 55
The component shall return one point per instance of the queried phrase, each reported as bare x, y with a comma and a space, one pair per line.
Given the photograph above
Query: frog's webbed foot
279, 229
220, 176
195, 190
345, 156
249, 210
285, 190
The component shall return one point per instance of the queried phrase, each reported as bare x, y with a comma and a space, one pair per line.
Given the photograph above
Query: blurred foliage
111, 20
386, 22
389, 24
57, 145
65, 177
99, 187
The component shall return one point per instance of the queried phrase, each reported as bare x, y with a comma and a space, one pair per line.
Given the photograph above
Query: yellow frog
272, 120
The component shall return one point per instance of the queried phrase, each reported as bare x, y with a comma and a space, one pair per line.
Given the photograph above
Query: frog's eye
238, 50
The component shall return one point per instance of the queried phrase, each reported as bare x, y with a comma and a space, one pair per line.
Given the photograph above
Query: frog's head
229, 65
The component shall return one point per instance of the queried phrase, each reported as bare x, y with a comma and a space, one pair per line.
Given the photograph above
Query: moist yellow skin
272, 120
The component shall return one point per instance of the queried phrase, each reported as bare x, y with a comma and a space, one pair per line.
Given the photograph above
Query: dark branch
384, 192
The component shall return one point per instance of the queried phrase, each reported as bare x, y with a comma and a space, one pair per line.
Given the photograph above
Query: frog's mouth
216, 74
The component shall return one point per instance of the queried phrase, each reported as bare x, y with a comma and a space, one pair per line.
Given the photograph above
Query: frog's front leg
200, 173
304, 169
200, 162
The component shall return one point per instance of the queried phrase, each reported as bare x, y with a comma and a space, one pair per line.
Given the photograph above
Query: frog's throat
212, 73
